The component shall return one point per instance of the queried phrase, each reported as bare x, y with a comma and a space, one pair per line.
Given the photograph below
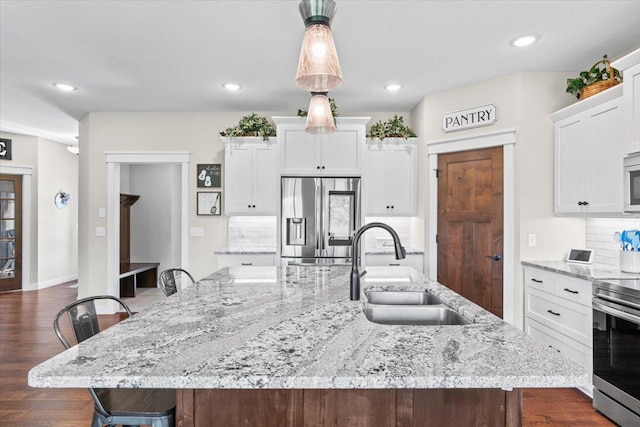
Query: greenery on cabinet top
600, 71
251, 125
392, 128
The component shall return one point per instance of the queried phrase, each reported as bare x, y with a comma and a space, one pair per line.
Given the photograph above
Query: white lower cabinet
558, 313
412, 260
233, 260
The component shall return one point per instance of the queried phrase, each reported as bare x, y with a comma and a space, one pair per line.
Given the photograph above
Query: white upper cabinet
336, 154
629, 65
589, 148
390, 179
251, 177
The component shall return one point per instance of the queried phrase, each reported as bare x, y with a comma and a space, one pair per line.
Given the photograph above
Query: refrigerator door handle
318, 214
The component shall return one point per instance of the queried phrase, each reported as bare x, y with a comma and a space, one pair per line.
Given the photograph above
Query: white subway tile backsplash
252, 232
401, 225
599, 237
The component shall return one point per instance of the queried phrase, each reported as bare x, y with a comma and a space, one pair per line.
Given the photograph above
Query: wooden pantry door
10, 232
470, 225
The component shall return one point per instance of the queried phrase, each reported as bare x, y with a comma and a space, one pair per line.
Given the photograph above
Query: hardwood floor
27, 338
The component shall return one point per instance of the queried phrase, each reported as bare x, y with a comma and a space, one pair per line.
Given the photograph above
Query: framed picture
210, 203
210, 175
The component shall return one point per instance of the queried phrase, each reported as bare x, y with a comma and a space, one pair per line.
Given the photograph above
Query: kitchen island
286, 347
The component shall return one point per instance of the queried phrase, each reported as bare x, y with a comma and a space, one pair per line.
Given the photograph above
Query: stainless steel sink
413, 315
402, 298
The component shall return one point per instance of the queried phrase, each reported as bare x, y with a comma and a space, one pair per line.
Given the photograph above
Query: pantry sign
471, 118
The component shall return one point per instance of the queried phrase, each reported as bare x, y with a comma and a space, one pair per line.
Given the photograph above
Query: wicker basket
598, 87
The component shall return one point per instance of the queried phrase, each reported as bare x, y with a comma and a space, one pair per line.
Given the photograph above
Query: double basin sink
409, 308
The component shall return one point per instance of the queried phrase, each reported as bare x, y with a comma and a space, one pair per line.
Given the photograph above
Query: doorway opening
175, 200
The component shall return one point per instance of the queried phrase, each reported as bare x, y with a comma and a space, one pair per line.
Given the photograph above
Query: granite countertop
390, 251
246, 251
272, 251
582, 271
295, 327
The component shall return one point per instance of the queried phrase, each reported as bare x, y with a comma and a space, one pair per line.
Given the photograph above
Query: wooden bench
137, 275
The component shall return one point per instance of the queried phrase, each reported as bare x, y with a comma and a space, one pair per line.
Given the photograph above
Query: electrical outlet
102, 213
196, 232
101, 232
533, 240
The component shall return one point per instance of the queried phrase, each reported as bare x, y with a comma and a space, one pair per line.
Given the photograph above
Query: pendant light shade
319, 117
318, 66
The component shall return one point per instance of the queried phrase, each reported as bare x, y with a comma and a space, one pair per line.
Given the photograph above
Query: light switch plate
102, 213
196, 232
101, 232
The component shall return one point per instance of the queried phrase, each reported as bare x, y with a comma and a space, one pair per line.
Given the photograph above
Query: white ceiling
175, 55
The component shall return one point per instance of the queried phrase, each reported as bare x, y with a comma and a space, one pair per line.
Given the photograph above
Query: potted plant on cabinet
251, 125
601, 76
392, 128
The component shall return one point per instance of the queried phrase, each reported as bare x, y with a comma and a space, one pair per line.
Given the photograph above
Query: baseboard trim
48, 283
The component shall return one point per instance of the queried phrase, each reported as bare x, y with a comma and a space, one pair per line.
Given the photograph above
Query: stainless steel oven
616, 350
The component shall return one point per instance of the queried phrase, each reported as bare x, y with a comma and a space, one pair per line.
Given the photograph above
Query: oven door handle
608, 308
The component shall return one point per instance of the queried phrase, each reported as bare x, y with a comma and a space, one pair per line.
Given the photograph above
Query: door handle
495, 257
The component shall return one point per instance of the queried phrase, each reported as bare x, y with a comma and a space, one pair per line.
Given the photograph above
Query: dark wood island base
341, 408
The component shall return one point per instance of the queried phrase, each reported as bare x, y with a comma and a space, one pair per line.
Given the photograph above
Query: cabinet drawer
225, 260
572, 349
572, 289
539, 279
579, 353
569, 318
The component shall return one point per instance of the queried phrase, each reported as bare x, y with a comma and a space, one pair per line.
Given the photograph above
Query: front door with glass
10, 232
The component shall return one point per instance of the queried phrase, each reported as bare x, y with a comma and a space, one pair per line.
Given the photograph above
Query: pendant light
319, 118
318, 65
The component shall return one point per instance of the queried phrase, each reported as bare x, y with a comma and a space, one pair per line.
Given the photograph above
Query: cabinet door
605, 129
300, 152
342, 153
631, 95
571, 162
376, 182
266, 195
401, 173
238, 177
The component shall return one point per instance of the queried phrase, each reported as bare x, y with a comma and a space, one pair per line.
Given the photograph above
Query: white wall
57, 228
155, 217
53, 242
524, 102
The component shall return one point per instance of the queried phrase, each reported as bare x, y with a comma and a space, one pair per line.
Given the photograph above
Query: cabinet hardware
248, 206
553, 312
317, 167
495, 257
570, 291
387, 207
323, 167
583, 203
247, 263
392, 206
536, 280
253, 206
395, 265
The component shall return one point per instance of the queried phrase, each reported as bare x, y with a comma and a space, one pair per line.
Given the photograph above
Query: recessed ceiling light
524, 41
393, 87
231, 86
65, 87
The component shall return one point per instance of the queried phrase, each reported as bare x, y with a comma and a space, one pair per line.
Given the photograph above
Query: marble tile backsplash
599, 237
252, 232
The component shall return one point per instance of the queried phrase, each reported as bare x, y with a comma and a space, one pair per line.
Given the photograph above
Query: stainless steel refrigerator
319, 218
